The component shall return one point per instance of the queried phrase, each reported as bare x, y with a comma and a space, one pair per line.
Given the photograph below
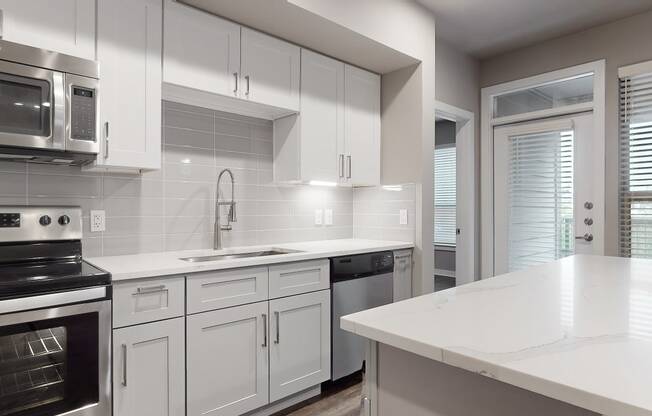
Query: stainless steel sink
231, 256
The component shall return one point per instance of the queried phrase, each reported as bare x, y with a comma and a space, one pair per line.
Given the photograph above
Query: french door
544, 192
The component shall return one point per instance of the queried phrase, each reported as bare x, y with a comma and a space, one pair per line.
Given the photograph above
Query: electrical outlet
98, 221
328, 216
318, 217
402, 216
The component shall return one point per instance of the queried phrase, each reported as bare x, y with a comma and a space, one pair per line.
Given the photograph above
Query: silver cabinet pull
1, 21
124, 365
586, 237
235, 75
150, 289
264, 330
341, 163
348, 159
248, 85
106, 140
278, 330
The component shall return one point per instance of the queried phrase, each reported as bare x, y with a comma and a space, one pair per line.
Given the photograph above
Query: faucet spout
231, 217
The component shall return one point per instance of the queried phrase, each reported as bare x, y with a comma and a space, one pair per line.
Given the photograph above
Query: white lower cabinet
299, 356
148, 369
228, 360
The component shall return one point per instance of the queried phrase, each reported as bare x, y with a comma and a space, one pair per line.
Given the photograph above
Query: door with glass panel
543, 192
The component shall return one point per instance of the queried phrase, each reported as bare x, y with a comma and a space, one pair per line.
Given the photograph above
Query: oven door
32, 107
56, 361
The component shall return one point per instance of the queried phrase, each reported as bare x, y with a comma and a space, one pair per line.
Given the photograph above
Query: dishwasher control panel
361, 265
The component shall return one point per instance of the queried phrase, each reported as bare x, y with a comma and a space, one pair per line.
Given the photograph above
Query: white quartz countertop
578, 330
137, 266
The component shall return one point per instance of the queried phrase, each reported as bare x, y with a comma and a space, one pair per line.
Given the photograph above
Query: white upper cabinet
322, 117
66, 26
129, 42
201, 51
270, 70
362, 126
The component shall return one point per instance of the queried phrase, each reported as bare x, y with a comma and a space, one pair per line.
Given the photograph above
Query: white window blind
445, 199
636, 164
540, 192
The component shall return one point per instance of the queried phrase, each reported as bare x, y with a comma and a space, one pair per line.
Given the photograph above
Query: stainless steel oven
55, 317
55, 360
48, 105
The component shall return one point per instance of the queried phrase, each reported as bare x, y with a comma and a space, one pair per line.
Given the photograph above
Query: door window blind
636, 165
540, 192
445, 199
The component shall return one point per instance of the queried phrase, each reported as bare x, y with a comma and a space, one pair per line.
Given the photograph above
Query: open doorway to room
454, 198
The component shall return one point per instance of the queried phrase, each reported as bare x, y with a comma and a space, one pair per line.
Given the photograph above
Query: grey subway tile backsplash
173, 209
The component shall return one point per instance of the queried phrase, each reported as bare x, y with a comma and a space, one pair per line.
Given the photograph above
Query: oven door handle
51, 299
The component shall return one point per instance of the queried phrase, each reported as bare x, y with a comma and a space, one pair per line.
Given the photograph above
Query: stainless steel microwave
48, 106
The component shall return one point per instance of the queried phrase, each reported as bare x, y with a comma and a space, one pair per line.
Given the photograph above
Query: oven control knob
45, 220
64, 220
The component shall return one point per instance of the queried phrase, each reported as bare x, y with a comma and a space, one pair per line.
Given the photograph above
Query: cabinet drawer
296, 278
216, 290
139, 301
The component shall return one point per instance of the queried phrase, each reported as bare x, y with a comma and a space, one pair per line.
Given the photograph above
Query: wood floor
343, 403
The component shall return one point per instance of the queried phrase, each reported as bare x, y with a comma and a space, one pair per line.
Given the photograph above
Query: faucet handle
232, 215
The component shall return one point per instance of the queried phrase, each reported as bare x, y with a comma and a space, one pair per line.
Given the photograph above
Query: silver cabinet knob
586, 237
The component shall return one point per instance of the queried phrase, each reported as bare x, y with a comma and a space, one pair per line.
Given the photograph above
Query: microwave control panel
83, 110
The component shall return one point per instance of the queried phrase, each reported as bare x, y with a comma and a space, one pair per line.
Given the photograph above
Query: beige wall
623, 42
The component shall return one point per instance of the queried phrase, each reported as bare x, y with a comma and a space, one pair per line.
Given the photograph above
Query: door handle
1, 21
348, 158
365, 404
124, 365
264, 330
235, 75
341, 165
278, 330
248, 85
586, 237
106, 140
150, 289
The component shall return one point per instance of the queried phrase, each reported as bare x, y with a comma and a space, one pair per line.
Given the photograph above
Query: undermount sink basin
231, 256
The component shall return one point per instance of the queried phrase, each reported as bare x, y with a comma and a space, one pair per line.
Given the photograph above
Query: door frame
488, 122
465, 272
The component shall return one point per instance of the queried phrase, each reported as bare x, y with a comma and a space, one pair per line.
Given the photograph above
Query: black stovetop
29, 269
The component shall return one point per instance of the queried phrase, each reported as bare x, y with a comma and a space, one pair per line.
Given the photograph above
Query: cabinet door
362, 126
201, 51
300, 355
66, 26
322, 117
227, 360
129, 42
402, 275
148, 369
270, 70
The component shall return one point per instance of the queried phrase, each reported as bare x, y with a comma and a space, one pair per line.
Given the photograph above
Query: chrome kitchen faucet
231, 217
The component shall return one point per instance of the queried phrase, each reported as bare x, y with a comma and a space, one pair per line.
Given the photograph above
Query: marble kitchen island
573, 337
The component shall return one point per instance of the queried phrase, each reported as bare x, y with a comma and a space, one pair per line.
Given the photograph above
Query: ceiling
484, 28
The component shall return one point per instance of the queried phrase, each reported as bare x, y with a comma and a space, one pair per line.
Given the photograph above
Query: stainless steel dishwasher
358, 283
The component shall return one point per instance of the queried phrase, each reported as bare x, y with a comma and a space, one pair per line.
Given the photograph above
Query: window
445, 199
540, 194
636, 161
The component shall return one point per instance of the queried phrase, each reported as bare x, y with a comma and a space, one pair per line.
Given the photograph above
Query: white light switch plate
98, 221
403, 217
319, 217
328, 216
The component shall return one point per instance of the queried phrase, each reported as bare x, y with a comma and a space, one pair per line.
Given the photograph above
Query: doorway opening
454, 198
